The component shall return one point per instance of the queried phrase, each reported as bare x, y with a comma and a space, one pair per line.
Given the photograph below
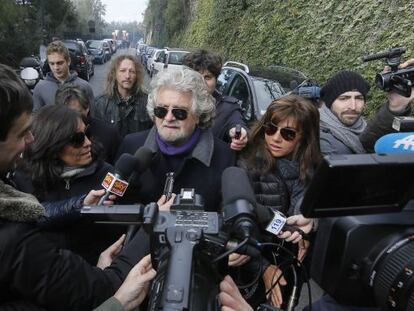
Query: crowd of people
57, 145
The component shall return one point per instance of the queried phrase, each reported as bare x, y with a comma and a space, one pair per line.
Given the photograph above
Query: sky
125, 10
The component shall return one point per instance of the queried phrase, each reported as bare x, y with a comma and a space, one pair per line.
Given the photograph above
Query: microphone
395, 143
143, 158
238, 202
115, 183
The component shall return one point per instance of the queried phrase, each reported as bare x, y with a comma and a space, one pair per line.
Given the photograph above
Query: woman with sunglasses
280, 157
63, 164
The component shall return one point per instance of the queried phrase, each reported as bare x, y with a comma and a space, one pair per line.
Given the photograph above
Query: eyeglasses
178, 113
287, 133
78, 139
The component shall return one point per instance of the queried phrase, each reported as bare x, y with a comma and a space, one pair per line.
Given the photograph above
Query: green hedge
318, 37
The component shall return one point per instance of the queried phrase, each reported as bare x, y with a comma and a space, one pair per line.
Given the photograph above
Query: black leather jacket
128, 116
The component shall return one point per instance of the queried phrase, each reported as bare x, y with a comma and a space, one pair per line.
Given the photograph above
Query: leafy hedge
318, 37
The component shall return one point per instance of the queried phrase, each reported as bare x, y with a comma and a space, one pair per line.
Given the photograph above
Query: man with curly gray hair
181, 140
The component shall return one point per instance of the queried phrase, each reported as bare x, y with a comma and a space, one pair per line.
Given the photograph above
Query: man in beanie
343, 129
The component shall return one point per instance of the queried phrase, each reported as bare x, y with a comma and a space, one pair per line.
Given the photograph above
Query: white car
155, 56
171, 59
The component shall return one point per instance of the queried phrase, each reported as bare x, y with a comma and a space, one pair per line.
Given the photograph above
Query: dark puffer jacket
33, 269
279, 189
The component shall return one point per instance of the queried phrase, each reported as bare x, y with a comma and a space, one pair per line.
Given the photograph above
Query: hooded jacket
45, 91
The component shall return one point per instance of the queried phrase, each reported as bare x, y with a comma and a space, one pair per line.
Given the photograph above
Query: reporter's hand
163, 204
230, 297
303, 247
135, 287
397, 102
236, 260
270, 276
407, 63
300, 222
238, 144
92, 198
106, 257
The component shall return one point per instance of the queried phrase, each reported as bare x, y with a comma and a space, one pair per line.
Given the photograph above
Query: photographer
343, 129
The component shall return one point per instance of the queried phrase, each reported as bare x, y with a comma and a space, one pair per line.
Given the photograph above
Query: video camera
365, 260
188, 245
398, 80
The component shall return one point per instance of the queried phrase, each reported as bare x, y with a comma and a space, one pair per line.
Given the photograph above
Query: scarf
348, 135
176, 150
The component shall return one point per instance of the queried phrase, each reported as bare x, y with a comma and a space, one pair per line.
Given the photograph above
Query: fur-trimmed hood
16, 206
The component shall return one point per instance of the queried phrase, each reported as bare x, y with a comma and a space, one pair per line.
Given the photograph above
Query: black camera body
360, 259
399, 80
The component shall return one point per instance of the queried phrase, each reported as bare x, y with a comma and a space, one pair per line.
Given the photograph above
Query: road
98, 84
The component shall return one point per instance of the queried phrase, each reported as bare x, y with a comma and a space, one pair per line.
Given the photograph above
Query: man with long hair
124, 102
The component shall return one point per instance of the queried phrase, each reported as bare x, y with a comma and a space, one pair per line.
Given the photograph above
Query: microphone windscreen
235, 185
144, 157
395, 143
125, 165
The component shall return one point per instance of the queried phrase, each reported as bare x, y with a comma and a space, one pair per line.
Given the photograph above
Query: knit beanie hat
343, 81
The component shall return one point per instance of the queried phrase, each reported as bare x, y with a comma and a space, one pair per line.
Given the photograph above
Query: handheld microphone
169, 184
238, 201
395, 143
115, 183
143, 157
274, 222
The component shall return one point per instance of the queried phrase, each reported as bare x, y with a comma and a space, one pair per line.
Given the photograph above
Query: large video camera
365, 260
398, 80
189, 247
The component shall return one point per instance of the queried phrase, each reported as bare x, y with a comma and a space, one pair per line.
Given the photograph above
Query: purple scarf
175, 150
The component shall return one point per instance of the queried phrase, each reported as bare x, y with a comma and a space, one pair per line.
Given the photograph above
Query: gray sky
125, 10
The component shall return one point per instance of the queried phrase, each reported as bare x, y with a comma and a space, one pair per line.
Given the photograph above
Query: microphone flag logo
406, 143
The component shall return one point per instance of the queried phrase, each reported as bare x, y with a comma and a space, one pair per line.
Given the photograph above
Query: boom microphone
395, 143
115, 183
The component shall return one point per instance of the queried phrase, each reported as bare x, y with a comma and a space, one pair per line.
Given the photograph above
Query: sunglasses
287, 133
78, 139
178, 113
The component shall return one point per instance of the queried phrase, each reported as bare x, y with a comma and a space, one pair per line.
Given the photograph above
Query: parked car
81, 58
112, 44
158, 57
172, 59
257, 88
146, 55
99, 49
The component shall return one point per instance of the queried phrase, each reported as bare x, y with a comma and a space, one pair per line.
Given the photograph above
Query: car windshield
94, 44
266, 92
176, 58
71, 45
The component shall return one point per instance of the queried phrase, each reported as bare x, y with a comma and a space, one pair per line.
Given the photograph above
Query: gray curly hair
185, 80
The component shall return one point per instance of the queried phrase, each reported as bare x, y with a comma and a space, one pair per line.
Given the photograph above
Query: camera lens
392, 274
